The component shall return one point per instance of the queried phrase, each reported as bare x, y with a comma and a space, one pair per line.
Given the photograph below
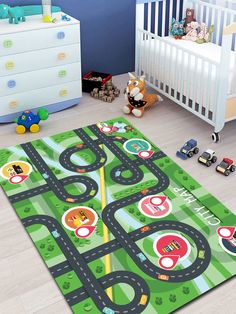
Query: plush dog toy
138, 97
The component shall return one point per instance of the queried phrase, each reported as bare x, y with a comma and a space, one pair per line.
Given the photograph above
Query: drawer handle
61, 35
62, 73
61, 56
63, 92
11, 84
10, 65
7, 43
13, 104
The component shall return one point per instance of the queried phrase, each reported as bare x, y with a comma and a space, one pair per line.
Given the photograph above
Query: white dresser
39, 66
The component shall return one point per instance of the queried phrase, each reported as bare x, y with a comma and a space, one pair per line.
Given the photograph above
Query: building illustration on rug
120, 226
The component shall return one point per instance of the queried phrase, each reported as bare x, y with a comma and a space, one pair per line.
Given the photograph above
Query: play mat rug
120, 226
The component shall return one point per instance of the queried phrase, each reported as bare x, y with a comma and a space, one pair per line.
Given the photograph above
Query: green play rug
120, 226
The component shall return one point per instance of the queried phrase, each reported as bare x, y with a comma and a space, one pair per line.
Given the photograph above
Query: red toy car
226, 166
145, 229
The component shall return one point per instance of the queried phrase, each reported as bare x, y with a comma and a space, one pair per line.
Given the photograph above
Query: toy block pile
107, 93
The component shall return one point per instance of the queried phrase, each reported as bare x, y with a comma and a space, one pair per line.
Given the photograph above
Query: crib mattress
209, 51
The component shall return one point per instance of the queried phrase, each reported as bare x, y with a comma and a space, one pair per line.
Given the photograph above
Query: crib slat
149, 17
214, 94
218, 27
156, 17
178, 75
170, 12
139, 52
213, 17
194, 83
175, 74
150, 59
155, 61
139, 34
201, 14
163, 31
161, 68
177, 9
201, 83
209, 88
208, 17
187, 74
167, 62
146, 55
181, 75
158, 66
224, 20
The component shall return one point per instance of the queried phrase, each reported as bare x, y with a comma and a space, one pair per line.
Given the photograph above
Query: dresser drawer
40, 97
39, 39
25, 62
19, 83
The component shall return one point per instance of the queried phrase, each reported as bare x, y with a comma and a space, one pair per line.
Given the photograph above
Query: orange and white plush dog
137, 96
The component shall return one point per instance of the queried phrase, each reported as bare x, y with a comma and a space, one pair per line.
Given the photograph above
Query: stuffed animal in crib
204, 36
188, 19
137, 96
192, 34
177, 29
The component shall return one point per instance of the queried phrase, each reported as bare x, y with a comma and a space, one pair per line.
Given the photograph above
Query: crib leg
215, 137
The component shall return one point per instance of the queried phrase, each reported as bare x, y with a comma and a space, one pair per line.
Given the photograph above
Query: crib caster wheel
215, 137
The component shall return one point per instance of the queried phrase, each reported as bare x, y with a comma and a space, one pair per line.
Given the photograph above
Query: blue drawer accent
61, 35
11, 84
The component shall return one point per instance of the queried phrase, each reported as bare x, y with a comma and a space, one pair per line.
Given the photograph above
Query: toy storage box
89, 85
39, 65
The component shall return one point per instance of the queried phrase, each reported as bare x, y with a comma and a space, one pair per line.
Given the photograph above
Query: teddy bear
188, 19
192, 34
138, 97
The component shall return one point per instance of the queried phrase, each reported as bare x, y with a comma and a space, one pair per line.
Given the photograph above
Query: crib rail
179, 74
155, 16
216, 15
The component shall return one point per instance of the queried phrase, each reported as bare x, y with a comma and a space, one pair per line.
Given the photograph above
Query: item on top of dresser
31, 10
208, 157
47, 11
93, 80
226, 167
108, 92
188, 150
177, 29
188, 19
138, 97
65, 18
14, 14
30, 121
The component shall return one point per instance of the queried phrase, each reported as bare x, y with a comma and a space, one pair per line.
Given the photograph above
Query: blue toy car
142, 257
30, 121
56, 234
188, 150
107, 310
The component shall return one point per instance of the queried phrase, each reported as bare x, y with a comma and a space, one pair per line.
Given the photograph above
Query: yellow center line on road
106, 238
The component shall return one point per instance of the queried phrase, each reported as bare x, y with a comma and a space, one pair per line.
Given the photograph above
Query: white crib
199, 77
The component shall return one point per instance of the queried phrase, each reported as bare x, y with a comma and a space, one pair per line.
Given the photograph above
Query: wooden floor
25, 283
